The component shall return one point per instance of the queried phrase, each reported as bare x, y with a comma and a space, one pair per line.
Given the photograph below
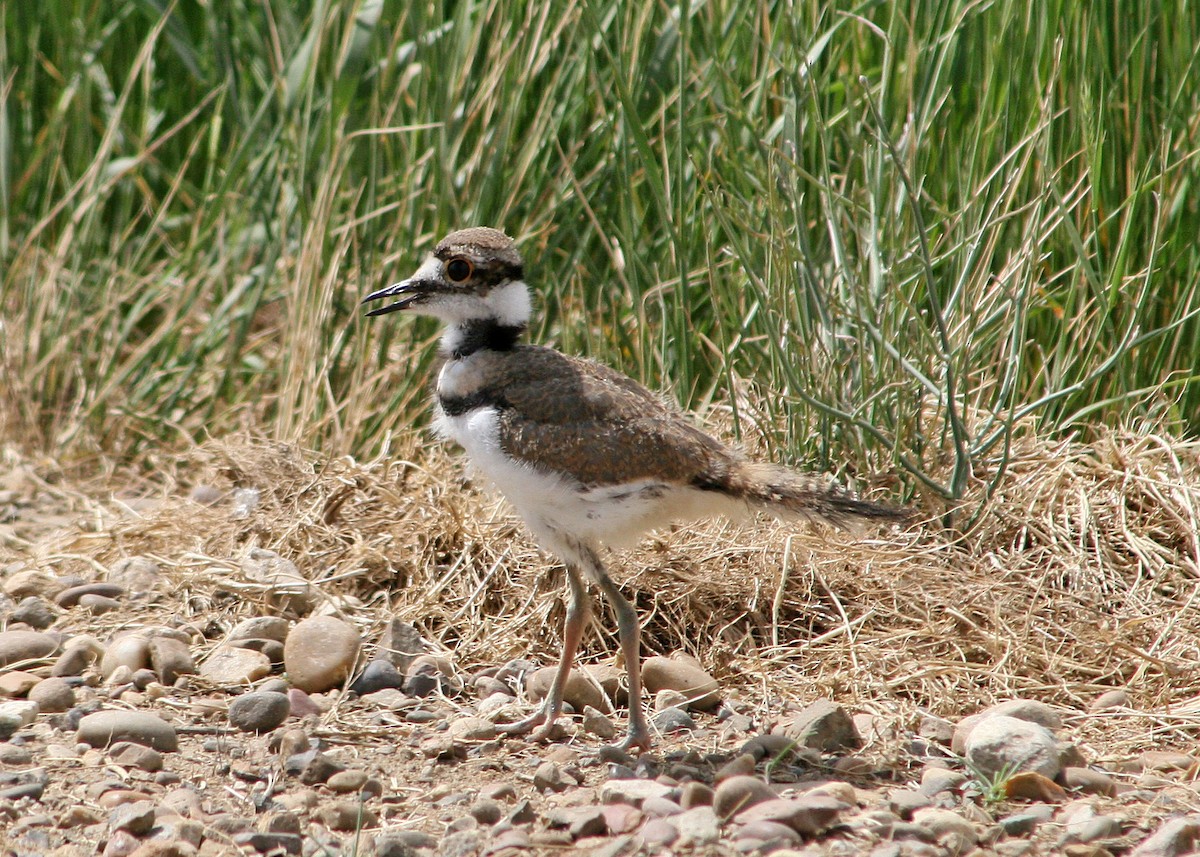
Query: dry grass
1082, 576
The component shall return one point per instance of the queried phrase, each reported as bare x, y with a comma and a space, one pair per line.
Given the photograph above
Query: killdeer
586, 455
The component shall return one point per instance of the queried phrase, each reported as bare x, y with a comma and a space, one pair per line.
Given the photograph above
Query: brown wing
596, 424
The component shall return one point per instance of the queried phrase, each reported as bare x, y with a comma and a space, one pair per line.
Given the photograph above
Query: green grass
900, 232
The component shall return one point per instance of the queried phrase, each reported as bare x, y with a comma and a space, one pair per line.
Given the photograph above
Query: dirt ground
1079, 582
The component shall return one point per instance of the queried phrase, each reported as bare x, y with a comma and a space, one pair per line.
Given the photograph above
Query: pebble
131, 651
551, 777
320, 652
737, 793
822, 725
1176, 836
472, 729
136, 818
131, 755
1003, 744
53, 694
259, 711
379, 674
70, 597
15, 715
632, 792
17, 683
1109, 700
230, 666
170, 658
684, 674
943, 822
287, 589
269, 843
581, 690
344, 782
403, 843
807, 814
1021, 709
35, 612
104, 728
135, 574
739, 766
697, 827
934, 781
695, 794
1088, 781
659, 831
19, 646
346, 815
672, 720
599, 724
98, 604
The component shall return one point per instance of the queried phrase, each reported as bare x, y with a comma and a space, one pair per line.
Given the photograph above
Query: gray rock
632, 792
288, 591
346, 815
943, 822
808, 814
1001, 744
659, 831
599, 724
737, 793
320, 653
130, 755
673, 720
1022, 709
697, 827
130, 650
269, 843
19, 646
230, 666
1088, 781
934, 781
1110, 699
135, 574
378, 675
170, 658
403, 843
824, 726
694, 794
53, 695
472, 729
1175, 837
401, 644
579, 821
35, 612
580, 692
104, 728
70, 597
259, 711
136, 818
685, 675
550, 777
260, 628
98, 604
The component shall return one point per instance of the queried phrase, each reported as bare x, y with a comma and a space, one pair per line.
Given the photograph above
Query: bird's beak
409, 292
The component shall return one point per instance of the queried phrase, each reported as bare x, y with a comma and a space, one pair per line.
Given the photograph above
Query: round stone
232, 666
53, 694
320, 653
683, 675
260, 711
104, 728
580, 691
18, 646
738, 793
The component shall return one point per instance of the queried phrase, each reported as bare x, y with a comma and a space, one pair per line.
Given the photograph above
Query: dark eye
458, 269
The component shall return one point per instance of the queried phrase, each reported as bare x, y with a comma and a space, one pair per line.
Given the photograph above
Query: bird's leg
629, 634
577, 614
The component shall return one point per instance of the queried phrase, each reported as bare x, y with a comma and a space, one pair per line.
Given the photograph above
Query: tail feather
787, 494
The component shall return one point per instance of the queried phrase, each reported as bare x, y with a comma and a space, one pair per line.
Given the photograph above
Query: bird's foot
638, 736
523, 726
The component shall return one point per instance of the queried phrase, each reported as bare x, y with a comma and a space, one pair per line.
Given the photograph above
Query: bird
586, 455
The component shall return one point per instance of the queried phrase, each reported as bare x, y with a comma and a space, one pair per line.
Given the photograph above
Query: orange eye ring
459, 269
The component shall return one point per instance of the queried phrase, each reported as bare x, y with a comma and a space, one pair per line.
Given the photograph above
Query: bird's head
472, 276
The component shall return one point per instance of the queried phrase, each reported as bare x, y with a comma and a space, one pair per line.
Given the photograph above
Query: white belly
616, 515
